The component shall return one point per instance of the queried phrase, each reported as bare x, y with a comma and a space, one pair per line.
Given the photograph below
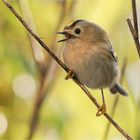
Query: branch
134, 35
66, 69
135, 20
134, 29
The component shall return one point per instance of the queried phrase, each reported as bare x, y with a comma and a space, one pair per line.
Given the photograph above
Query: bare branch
134, 35
66, 69
134, 29
135, 20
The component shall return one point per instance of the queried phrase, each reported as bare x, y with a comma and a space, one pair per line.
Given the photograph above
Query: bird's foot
101, 110
70, 75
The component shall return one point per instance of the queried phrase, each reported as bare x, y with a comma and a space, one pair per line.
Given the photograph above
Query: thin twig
36, 50
66, 69
115, 103
134, 35
135, 20
134, 29
60, 21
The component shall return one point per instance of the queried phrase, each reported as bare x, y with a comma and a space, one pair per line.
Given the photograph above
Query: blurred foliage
66, 114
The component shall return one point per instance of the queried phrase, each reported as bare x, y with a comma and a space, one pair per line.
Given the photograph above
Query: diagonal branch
66, 69
134, 29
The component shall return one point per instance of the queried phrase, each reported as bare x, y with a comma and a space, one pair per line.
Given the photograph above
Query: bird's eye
77, 31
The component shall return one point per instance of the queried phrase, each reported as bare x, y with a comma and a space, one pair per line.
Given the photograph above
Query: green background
66, 113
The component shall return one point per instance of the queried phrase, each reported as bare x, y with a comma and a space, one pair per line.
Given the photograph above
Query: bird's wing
112, 52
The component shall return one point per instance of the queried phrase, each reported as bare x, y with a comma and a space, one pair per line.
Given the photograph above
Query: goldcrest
89, 54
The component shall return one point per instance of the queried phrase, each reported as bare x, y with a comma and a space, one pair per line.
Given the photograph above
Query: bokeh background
35, 100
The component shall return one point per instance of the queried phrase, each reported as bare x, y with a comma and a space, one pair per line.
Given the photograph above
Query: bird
89, 55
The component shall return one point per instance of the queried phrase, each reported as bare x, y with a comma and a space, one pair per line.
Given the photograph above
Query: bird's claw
70, 75
101, 110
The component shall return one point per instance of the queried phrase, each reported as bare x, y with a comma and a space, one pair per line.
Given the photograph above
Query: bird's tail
118, 88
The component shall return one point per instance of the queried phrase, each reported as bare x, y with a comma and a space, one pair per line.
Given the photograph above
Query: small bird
89, 55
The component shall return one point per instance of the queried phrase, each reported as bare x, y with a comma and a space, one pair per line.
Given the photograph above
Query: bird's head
82, 30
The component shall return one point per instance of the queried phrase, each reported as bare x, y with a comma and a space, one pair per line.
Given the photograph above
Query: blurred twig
134, 27
53, 42
62, 16
116, 125
38, 54
49, 73
37, 51
115, 103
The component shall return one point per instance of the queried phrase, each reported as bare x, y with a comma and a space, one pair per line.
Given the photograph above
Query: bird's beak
62, 33
66, 34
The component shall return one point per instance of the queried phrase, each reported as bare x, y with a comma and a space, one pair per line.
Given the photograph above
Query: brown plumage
89, 53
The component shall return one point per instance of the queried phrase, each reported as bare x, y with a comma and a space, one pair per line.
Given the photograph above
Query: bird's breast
90, 66
76, 57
